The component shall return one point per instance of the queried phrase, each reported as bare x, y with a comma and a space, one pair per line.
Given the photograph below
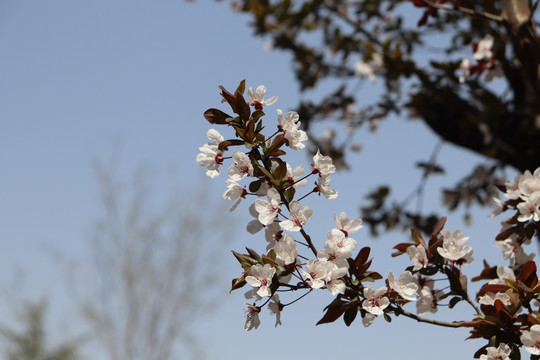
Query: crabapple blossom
497, 353
405, 285
254, 226
483, 49
455, 247
260, 276
489, 298
530, 208
334, 284
324, 187
367, 320
294, 175
290, 125
499, 206
337, 246
299, 216
418, 256
531, 340
285, 249
529, 183
242, 166
257, 97
323, 164
318, 272
211, 157
347, 226
268, 209
275, 308
363, 69
427, 301
273, 234
252, 317
375, 302
504, 273
233, 192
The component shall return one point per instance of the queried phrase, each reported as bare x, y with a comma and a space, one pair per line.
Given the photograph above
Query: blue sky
83, 80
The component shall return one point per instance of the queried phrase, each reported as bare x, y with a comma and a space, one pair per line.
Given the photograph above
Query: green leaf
238, 283
417, 237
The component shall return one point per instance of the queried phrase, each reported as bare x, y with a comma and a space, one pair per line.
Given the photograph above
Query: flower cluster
485, 61
278, 208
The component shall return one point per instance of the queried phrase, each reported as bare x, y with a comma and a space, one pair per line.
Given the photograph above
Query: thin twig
401, 311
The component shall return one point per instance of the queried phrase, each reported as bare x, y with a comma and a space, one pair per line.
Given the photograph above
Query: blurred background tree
422, 53
30, 343
156, 263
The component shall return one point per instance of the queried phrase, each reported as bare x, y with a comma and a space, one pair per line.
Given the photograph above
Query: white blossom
529, 209
483, 49
427, 301
242, 166
290, 125
254, 226
252, 317
418, 256
299, 216
323, 164
268, 209
286, 251
497, 353
275, 308
211, 157
334, 284
347, 226
318, 272
489, 297
405, 285
324, 187
294, 175
233, 192
455, 247
257, 97
531, 340
465, 67
375, 302
260, 276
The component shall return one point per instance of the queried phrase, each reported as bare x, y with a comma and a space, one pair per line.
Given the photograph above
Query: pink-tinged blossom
252, 317
375, 301
531, 340
483, 49
347, 226
324, 187
268, 209
285, 250
211, 157
275, 308
499, 207
294, 175
497, 353
260, 276
338, 246
504, 273
513, 251
529, 209
318, 272
428, 299
242, 166
455, 247
418, 256
363, 69
273, 234
257, 97
254, 226
405, 285
290, 125
234, 192
334, 284
529, 183
323, 164
489, 298
299, 216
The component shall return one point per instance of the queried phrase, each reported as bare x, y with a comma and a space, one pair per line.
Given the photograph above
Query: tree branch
400, 311
464, 10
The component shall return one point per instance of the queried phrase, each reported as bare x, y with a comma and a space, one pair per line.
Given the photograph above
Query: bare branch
464, 10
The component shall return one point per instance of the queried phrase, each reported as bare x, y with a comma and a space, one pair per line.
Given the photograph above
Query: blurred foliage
30, 343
